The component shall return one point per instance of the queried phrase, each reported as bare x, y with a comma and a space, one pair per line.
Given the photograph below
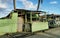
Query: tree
39, 2
14, 4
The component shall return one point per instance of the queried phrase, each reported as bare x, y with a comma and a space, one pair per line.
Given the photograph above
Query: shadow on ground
16, 35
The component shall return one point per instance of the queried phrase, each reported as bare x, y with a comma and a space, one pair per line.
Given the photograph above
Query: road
52, 33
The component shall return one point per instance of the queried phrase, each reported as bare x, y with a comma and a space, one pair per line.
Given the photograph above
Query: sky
50, 6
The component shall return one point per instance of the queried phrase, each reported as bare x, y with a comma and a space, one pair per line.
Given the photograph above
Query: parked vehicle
54, 21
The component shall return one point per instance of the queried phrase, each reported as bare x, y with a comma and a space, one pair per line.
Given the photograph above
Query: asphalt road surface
52, 33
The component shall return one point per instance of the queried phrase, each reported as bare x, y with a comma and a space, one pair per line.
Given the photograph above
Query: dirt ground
52, 33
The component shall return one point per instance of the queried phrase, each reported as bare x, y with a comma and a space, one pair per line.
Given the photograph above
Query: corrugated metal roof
28, 11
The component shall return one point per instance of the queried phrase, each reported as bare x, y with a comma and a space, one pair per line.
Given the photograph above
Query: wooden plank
20, 24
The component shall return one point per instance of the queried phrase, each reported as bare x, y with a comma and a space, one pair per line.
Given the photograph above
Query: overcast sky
50, 6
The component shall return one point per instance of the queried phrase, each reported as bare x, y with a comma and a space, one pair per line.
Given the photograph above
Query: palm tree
14, 4
39, 1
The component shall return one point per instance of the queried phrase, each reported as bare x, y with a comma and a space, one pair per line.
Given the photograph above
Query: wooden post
25, 18
45, 16
31, 17
31, 22
25, 22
